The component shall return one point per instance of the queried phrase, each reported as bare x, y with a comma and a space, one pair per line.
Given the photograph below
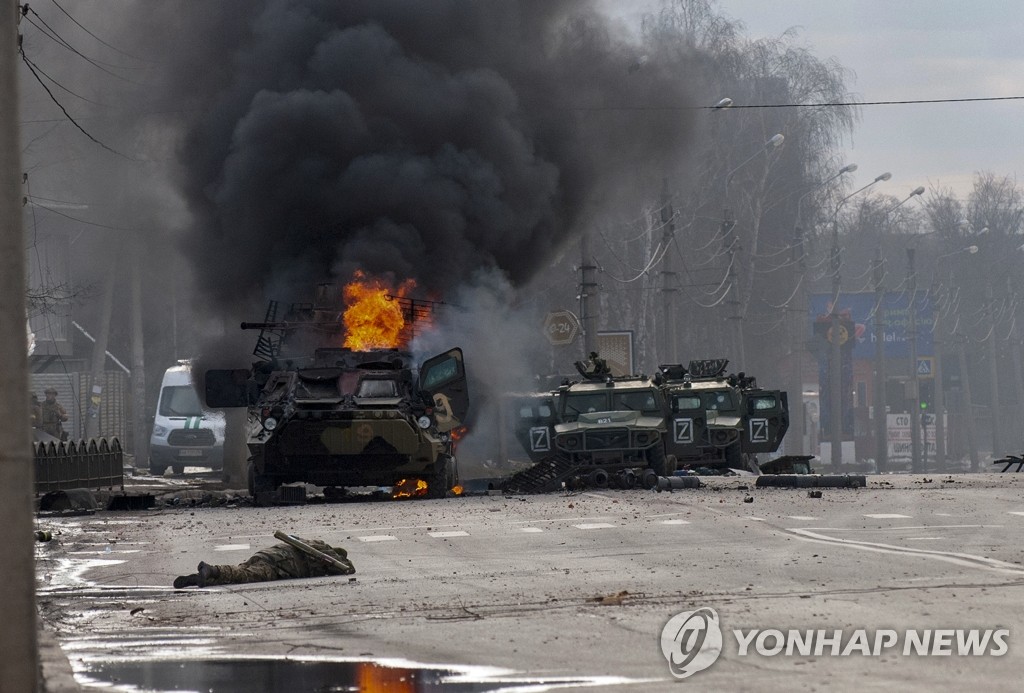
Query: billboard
895, 317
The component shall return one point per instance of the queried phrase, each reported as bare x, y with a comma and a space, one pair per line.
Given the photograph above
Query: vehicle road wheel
259, 484
443, 479
734, 457
657, 461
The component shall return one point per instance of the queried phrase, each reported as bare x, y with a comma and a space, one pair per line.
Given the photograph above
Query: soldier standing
279, 562
53, 415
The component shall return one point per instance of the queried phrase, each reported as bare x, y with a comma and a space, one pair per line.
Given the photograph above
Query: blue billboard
894, 314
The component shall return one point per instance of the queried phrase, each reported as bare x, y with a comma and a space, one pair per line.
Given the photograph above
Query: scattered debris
814, 494
748, 499
611, 599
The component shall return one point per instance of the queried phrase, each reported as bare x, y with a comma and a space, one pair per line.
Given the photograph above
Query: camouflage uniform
53, 415
279, 562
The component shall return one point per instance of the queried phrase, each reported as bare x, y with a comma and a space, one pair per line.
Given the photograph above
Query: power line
32, 68
80, 26
832, 104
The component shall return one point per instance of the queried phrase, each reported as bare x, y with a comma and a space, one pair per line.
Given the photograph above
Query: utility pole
965, 385
140, 422
734, 302
915, 391
670, 343
940, 411
993, 365
99, 356
796, 383
19, 664
588, 289
835, 407
881, 415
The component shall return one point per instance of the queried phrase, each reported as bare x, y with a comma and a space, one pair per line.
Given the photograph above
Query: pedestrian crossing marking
594, 525
378, 537
232, 547
675, 522
443, 535
887, 516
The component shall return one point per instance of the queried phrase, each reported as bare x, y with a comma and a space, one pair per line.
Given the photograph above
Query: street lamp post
797, 421
728, 224
879, 399
835, 362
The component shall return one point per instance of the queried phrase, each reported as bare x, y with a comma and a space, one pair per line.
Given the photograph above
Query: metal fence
95, 463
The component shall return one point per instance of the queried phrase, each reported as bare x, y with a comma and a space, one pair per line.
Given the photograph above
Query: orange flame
457, 490
372, 319
409, 488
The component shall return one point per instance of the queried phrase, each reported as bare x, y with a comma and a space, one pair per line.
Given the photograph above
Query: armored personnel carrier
719, 420
337, 417
603, 429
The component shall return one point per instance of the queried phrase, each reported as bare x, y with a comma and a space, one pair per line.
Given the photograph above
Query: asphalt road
576, 586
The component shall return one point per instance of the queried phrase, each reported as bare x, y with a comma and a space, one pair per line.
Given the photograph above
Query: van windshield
180, 400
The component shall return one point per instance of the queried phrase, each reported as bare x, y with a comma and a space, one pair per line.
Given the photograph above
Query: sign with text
894, 314
900, 441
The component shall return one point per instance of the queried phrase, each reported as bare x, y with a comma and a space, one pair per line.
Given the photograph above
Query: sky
900, 50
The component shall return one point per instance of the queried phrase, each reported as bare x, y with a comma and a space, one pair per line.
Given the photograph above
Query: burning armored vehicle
334, 416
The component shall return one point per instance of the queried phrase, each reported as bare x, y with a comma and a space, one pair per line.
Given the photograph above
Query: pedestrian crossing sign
925, 367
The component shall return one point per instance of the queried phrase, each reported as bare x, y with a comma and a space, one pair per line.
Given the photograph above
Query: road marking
442, 535
378, 537
675, 522
923, 538
594, 525
965, 560
887, 516
944, 514
532, 530
664, 515
800, 517
558, 519
1016, 512
232, 547
755, 519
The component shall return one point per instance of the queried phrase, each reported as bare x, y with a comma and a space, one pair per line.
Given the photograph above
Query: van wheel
178, 469
157, 469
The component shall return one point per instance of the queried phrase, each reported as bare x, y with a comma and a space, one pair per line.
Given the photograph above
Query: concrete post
19, 663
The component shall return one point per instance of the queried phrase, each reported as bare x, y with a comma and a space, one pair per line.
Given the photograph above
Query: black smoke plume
425, 140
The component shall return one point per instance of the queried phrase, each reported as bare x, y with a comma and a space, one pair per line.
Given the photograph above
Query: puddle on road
243, 675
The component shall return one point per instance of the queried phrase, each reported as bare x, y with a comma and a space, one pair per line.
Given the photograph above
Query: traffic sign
925, 367
561, 327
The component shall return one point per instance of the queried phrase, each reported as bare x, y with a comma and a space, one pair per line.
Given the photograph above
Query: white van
184, 434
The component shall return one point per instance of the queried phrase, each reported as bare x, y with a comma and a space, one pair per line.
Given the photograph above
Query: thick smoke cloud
422, 139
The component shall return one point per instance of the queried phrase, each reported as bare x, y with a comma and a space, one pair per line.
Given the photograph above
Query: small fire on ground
373, 318
416, 488
409, 488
